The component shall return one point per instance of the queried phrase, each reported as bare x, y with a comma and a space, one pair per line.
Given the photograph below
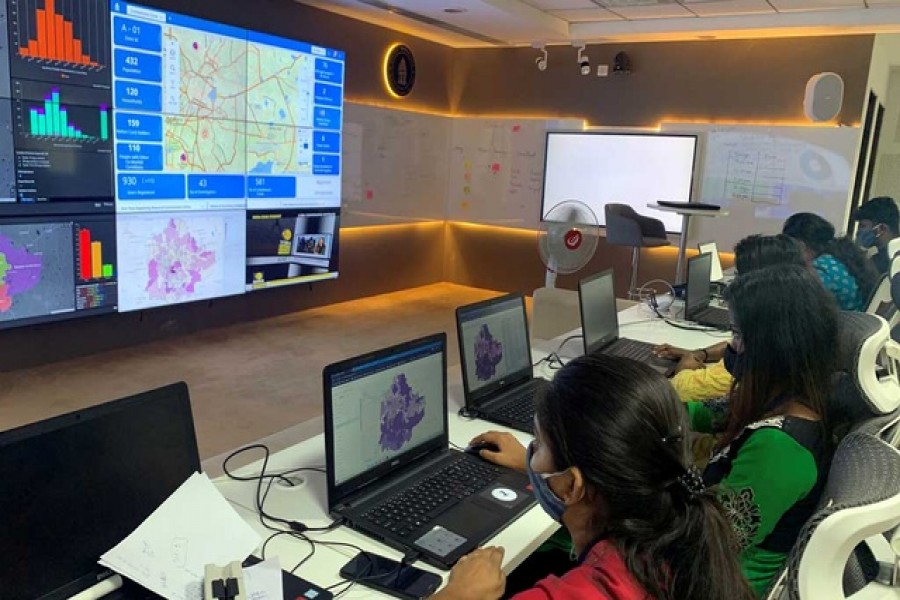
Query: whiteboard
497, 170
394, 166
763, 175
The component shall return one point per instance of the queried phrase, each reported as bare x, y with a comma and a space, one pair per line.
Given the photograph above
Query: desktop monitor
78, 484
715, 273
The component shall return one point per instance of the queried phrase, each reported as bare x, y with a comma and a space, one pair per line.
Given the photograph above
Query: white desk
307, 502
686, 213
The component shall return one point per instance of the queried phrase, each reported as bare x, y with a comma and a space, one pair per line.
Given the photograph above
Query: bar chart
91, 264
48, 34
52, 120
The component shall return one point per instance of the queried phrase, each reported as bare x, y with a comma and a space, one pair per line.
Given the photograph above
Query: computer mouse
475, 449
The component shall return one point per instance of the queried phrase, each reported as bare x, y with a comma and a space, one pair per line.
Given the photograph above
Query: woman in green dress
772, 461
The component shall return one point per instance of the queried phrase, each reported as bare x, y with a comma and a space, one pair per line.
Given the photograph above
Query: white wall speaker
824, 97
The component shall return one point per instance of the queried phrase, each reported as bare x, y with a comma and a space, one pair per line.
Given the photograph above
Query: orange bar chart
55, 39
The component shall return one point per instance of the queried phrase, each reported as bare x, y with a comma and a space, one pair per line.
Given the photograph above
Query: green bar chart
52, 120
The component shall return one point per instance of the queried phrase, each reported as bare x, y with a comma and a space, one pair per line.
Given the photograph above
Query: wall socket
602, 70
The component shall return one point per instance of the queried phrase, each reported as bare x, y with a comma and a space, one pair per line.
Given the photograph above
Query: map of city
401, 410
280, 86
177, 263
34, 276
488, 354
200, 145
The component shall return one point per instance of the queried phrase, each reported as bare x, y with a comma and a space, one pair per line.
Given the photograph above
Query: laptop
600, 325
77, 484
495, 356
390, 472
697, 294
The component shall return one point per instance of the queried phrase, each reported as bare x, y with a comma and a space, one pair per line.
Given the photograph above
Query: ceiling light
455, 11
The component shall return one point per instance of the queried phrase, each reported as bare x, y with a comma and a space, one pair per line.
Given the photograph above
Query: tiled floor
246, 381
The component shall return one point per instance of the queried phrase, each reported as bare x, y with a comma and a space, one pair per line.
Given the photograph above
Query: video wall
149, 158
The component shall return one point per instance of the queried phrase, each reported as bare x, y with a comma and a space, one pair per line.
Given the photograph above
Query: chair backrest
861, 499
866, 383
622, 227
554, 312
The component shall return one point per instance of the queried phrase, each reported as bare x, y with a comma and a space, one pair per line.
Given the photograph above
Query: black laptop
600, 325
495, 357
76, 485
390, 472
697, 295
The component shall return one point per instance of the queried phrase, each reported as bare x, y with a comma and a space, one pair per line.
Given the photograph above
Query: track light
540, 61
584, 64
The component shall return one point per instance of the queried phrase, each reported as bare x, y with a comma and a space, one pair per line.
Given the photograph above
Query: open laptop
390, 472
77, 484
600, 325
495, 356
697, 294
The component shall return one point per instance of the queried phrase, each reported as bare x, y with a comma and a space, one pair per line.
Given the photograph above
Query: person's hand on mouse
510, 452
477, 576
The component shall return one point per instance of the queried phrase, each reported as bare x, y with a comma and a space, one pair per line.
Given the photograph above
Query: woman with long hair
611, 461
771, 463
841, 264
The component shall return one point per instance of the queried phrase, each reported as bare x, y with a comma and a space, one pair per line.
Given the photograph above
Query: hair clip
673, 437
692, 480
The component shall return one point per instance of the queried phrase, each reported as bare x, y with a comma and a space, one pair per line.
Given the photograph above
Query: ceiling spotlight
584, 64
540, 61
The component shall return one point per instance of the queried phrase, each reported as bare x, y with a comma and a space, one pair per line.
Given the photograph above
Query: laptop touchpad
440, 541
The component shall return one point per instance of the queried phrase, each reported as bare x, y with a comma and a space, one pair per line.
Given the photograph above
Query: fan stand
550, 276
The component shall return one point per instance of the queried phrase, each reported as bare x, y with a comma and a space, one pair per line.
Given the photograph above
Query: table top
306, 501
686, 210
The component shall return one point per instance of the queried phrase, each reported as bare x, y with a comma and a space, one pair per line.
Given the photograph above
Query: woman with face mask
771, 463
611, 462
841, 264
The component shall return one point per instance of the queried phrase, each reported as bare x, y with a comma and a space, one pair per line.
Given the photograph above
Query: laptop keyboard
517, 410
633, 349
715, 317
405, 512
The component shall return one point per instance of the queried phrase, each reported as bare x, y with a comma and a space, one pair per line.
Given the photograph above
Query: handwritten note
169, 551
263, 581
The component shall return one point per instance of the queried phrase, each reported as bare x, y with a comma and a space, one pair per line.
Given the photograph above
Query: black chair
625, 227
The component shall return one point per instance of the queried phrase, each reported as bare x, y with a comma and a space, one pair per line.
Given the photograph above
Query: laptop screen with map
385, 406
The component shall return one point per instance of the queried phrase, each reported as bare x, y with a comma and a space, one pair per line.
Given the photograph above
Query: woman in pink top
611, 462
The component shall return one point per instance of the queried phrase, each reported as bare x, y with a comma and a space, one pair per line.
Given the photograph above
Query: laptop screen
715, 272
78, 484
494, 339
697, 293
385, 405
599, 321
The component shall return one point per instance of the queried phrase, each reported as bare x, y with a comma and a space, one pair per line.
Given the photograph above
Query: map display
166, 259
488, 354
36, 275
401, 410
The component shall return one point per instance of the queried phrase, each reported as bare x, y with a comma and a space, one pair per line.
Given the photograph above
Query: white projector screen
616, 168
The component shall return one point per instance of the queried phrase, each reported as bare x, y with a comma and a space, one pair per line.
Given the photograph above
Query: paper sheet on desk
169, 551
263, 581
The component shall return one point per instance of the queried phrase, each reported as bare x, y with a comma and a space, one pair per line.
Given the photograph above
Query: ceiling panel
560, 4
654, 11
810, 5
585, 15
704, 8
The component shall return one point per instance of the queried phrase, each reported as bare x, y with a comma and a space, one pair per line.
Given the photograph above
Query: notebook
390, 472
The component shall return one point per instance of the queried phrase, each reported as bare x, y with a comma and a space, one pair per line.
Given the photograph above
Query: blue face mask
549, 501
866, 237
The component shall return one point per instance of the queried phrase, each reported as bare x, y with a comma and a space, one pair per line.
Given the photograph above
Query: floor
247, 381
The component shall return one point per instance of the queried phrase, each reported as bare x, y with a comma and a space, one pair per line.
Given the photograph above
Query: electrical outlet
602, 70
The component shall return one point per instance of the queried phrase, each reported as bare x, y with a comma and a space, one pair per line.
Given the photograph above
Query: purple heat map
19, 272
177, 263
488, 354
401, 410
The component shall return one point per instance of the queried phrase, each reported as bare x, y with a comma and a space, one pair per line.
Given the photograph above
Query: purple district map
20, 271
488, 354
401, 410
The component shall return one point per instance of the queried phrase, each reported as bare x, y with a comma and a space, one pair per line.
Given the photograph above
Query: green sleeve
770, 473
707, 416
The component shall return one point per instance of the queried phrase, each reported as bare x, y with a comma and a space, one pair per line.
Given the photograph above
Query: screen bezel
692, 283
695, 137
602, 342
472, 398
181, 410
338, 493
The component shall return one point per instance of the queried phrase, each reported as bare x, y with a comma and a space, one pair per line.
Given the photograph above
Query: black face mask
734, 362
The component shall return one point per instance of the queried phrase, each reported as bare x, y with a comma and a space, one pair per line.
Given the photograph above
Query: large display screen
612, 168
149, 158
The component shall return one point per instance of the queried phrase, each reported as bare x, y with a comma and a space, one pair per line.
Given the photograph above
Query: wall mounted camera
621, 64
541, 61
584, 63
